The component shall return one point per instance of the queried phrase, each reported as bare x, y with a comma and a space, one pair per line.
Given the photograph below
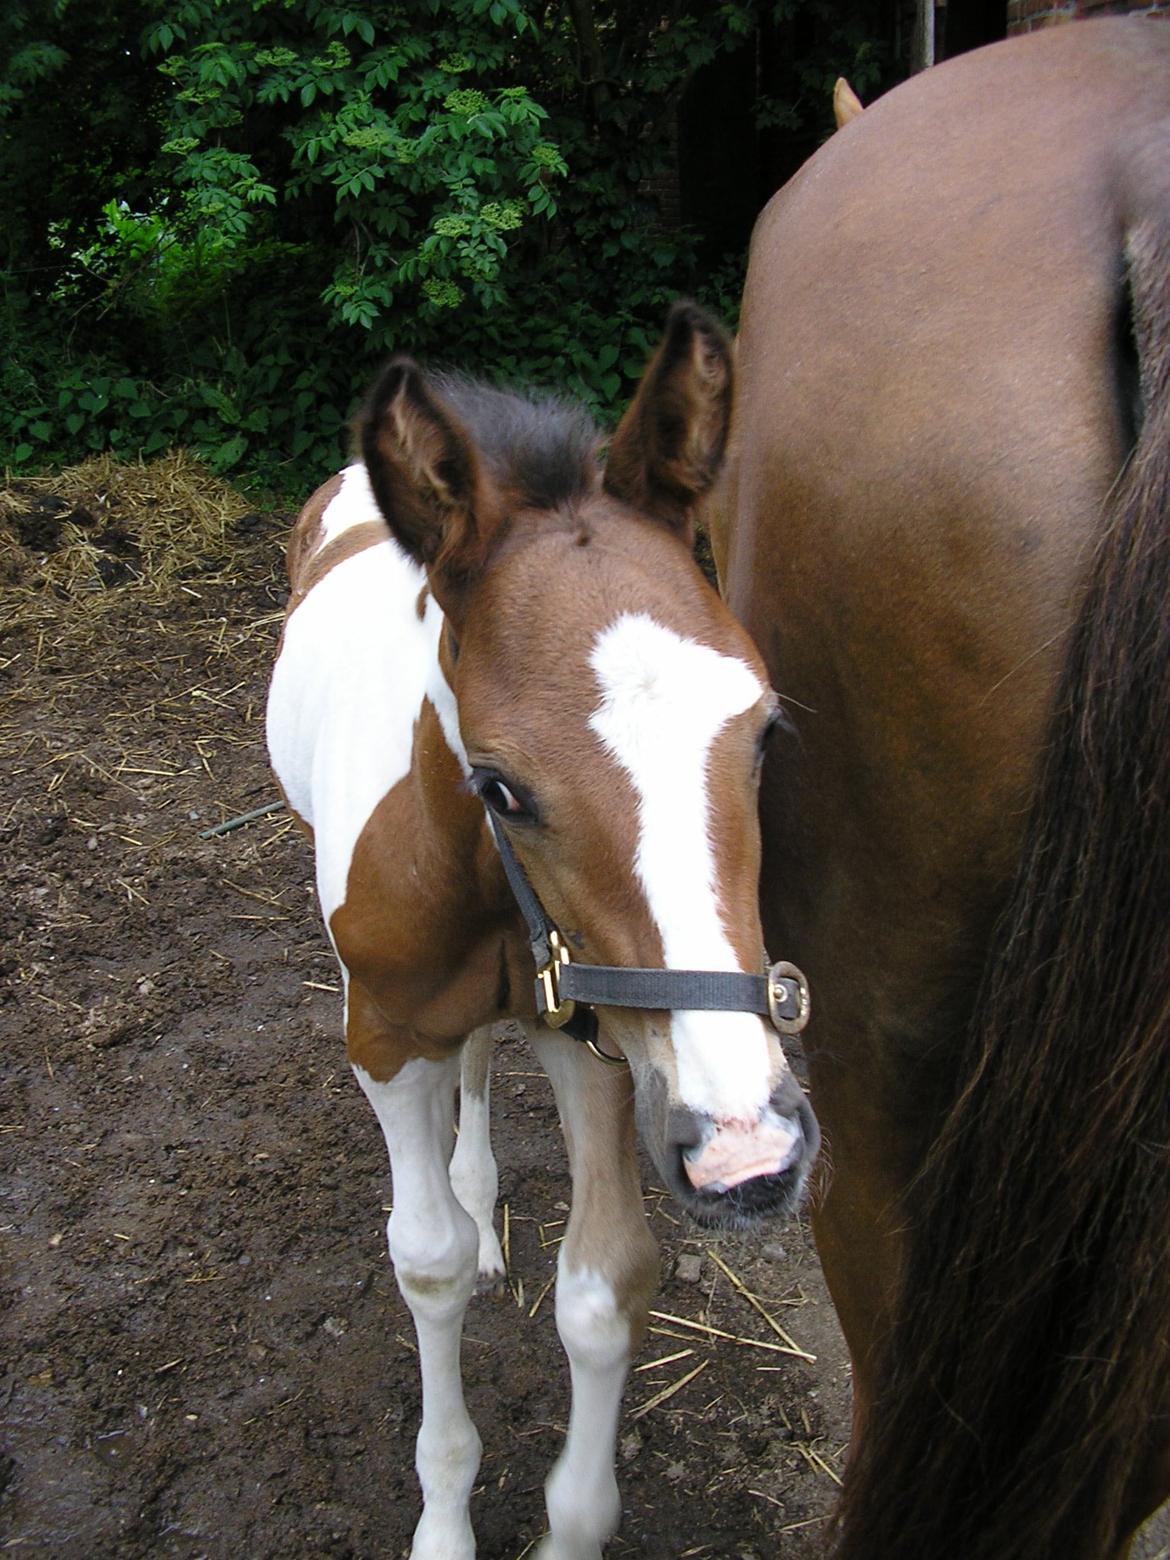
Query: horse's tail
1028, 1366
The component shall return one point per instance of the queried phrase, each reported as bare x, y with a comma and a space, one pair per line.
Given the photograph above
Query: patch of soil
203, 1349
204, 1352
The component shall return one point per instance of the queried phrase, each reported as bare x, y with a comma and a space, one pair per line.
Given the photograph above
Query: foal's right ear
669, 446
424, 471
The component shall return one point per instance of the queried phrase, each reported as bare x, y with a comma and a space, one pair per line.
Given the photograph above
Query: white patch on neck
664, 700
356, 666
439, 690
353, 504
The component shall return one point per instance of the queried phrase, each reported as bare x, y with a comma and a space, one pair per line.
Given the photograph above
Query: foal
500, 663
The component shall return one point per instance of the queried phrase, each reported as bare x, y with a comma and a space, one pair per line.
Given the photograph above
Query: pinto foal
484, 619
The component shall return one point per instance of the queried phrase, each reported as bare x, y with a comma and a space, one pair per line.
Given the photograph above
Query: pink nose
737, 1151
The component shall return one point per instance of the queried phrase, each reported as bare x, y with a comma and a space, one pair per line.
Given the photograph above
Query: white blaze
664, 700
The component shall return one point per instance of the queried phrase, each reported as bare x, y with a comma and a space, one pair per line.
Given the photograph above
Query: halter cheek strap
780, 994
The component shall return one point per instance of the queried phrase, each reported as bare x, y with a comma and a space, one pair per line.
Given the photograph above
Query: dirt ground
203, 1349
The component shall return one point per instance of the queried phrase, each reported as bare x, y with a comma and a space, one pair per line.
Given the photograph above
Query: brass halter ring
780, 972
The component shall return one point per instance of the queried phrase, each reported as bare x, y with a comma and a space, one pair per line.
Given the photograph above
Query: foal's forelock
538, 448
664, 700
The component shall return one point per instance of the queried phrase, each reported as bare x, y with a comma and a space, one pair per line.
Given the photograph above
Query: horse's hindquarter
928, 426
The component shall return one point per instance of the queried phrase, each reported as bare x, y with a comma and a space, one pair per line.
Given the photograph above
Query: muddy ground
203, 1350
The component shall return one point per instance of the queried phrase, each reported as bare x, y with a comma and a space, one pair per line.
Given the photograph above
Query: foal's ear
424, 471
669, 446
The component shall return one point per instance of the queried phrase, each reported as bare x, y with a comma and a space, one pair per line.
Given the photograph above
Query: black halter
781, 993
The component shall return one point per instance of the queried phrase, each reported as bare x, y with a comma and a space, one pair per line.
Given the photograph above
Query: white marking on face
664, 700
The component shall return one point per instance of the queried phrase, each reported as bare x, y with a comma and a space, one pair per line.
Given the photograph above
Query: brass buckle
777, 994
556, 1013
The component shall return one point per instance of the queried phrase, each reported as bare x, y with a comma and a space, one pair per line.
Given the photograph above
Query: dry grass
116, 577
66, 540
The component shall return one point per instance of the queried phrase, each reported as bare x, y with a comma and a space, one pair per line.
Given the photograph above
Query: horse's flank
955, 334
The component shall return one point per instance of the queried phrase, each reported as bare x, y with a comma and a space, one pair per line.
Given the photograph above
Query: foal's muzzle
731, 1174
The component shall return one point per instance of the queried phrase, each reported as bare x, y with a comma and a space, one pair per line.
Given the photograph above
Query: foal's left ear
424, 472
669, 446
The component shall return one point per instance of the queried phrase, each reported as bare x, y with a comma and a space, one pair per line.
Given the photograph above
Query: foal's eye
501, 798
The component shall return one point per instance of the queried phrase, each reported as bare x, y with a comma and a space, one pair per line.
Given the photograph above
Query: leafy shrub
276, 196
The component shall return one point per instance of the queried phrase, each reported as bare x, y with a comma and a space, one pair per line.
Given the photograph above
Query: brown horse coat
956, 330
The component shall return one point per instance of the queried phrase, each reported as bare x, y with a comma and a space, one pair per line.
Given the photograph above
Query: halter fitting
781, 993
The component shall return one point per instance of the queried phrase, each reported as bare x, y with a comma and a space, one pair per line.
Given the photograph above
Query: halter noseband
781, 993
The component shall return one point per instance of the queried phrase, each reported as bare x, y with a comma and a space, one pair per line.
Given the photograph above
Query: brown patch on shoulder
420, 605
316, 565
428, 931
382, 1049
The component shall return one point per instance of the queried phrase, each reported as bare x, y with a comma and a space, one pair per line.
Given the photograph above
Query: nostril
734, 1152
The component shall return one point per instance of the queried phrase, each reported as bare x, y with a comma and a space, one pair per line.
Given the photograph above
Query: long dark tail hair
1029, 1360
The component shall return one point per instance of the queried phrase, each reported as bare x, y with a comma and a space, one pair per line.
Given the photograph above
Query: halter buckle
784, 982
548, 978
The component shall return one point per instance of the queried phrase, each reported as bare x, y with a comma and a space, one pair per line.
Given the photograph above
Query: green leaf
224, 456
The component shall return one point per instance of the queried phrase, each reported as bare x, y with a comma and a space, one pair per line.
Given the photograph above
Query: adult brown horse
946, 523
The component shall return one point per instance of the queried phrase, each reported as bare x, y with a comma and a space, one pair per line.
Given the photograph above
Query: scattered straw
667, 1359
717, 1332
808, 1451
669, 1392
538, 1302
756, 1305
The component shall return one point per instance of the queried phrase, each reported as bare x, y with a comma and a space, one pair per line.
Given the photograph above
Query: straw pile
68, 541
139, 604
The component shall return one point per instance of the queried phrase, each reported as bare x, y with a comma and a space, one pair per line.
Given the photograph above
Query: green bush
247, 203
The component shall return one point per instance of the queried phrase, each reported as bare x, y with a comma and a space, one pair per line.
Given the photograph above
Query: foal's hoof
493, 1284
551, 1548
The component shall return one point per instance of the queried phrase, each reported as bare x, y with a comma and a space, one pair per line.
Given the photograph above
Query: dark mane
539, 444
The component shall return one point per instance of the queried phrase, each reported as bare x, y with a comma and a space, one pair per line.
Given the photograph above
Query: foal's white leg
607, 1271
473, 1166
433, 1248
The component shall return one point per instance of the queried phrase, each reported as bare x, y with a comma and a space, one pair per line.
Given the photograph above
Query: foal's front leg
433, 1245
606, 1274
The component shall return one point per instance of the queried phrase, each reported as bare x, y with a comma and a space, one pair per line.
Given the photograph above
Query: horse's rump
956, 329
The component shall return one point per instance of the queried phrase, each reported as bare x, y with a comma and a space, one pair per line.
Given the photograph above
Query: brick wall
1026, 15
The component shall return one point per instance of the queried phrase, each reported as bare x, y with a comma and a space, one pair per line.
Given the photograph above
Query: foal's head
613, 716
